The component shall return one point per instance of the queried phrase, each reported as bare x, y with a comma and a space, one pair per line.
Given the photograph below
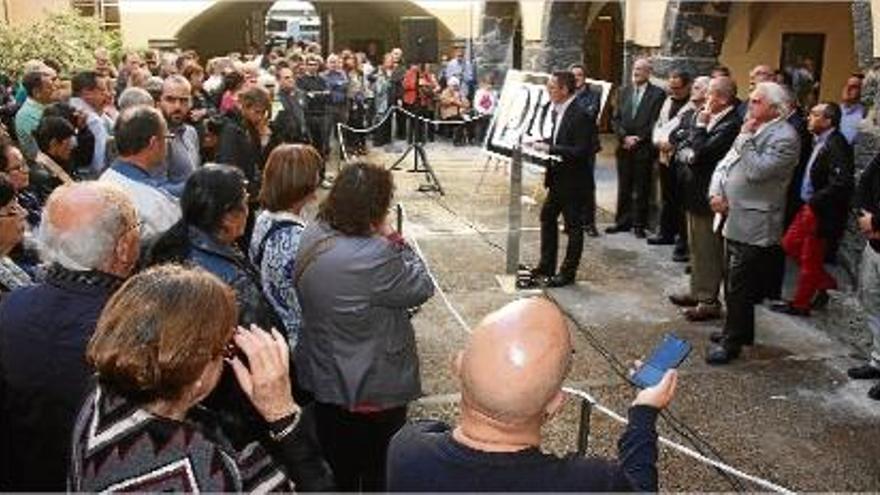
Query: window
107, 11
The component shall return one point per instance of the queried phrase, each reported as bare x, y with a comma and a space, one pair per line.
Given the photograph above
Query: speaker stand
420, 162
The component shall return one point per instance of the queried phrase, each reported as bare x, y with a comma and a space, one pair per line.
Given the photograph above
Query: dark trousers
745, 288
356, 444
671, 208
382, 134
317, 124
570, 205
633, 188
589, 217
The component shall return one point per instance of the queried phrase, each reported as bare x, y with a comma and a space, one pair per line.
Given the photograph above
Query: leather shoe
789, 309
614, 229
720, 354
685, 300
703, 312
680, 257
591, 231
560, 280
820, 300
874, 393
864, 372
659, 240
639, 232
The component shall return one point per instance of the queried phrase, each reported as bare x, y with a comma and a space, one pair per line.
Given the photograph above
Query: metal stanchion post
514, 211
584, 427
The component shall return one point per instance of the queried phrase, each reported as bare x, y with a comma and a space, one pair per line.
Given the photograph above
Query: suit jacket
832, 178
641, 124
794, 202
868, 196
756, 184
575, 145
698, 150
589, 99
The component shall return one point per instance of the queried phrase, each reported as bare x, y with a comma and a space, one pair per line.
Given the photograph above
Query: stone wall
694, 35
493, 51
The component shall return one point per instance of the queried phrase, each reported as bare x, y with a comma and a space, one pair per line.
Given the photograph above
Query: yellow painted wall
27, 11
143, 21
532, 15
767, 24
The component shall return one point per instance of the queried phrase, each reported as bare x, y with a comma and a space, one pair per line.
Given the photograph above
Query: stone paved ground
786, 412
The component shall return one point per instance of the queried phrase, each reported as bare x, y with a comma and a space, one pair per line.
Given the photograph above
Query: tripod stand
420, 157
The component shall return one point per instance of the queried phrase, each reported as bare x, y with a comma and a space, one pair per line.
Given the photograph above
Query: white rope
769, 485
681, 448
415, 244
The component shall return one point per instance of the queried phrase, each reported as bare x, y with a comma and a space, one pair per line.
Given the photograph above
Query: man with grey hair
134, 96
750, 189
638, 106
184, 156
711, 130
90, 240
141, 140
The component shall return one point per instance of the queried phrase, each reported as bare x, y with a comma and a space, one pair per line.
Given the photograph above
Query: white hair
135, 96
88, 246
776, 96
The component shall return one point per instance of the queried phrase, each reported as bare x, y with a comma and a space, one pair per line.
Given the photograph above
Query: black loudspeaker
418, 38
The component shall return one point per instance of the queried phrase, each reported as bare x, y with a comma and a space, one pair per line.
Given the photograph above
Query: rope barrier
768, 485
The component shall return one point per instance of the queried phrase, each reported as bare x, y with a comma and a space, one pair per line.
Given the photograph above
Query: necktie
553, 115
636, 99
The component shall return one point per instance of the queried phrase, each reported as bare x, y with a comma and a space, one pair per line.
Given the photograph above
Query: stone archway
693, 35
499, 46
568, 38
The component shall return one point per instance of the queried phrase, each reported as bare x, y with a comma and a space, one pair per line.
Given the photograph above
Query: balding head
90, 226
515, 362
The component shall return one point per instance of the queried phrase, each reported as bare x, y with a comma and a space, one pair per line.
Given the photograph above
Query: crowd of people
172, 320
744, 184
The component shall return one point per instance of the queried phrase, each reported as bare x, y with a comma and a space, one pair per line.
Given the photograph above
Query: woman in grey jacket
356, 278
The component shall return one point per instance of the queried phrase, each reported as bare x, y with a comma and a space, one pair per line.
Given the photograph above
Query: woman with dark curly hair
356, 278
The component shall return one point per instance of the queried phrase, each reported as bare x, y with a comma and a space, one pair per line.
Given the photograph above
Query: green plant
65, 37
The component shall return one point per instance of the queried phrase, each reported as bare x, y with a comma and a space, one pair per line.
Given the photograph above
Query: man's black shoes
659, 240
864, 372
716, 337
616, 228
560, 280
639, 232
721, 354
789, 309
874, 393
820, 300
591, 231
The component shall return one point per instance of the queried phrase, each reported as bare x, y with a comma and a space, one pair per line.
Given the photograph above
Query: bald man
511, 374
90, 239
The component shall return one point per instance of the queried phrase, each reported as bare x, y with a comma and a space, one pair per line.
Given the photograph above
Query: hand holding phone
671, 352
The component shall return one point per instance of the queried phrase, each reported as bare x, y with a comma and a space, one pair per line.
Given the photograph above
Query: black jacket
833, 182
289, 125
589, 99
793, 202
868, 195
240, 146
699, 150
317, 94
575, 146
641, 124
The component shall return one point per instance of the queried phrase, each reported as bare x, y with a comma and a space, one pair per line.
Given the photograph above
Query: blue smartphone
671, 352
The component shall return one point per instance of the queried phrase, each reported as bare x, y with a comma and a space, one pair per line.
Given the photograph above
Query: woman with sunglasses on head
12, 226
156, 359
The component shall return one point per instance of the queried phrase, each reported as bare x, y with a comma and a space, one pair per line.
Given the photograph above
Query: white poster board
523, 114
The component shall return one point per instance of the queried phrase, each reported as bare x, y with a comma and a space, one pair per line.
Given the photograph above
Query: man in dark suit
589, 99
699, 150
825, 190
637, 108
572, 146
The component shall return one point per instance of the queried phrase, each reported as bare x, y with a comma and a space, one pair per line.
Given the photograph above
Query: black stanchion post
584, 427
514, 211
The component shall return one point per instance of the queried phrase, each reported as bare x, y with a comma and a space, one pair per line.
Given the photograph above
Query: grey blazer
757, 182
357, 345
